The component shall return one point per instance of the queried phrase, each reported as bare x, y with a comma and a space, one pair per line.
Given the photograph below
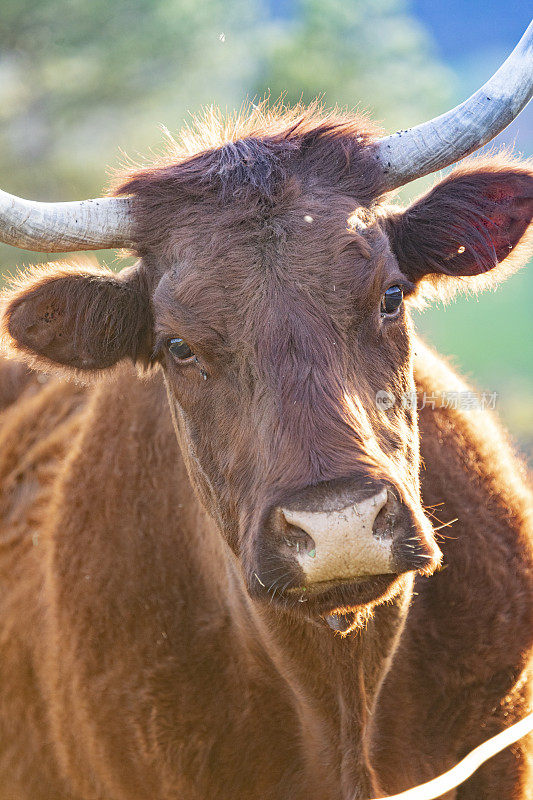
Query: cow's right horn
61, 227
433, 145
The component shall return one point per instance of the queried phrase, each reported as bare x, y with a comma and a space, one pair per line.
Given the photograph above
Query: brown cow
251, 615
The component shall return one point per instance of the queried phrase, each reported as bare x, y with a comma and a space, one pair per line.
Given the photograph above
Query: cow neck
328, 662
338, 676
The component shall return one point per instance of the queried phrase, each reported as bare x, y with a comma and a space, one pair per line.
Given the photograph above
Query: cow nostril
298, 540
386, 518
383, 527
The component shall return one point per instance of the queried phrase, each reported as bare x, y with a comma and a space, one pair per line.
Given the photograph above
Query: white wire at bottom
467, 766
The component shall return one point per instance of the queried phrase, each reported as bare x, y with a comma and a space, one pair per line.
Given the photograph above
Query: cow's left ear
467, 224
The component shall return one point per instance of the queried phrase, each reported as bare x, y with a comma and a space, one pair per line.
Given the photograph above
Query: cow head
272, 291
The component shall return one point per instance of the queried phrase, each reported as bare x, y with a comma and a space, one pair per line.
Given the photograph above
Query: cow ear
82, 318
467, 224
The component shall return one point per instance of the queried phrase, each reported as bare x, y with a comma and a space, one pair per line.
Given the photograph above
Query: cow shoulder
476, 612
458, 676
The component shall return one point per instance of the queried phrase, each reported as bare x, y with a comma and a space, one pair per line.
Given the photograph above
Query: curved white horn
56, 227
406, 155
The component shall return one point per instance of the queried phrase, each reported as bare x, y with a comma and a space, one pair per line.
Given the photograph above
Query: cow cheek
211, 454
186, 430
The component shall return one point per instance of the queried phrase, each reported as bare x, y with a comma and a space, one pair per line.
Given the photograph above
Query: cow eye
179, 349
391, 301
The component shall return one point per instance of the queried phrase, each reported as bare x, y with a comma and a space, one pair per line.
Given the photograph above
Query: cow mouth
342, 597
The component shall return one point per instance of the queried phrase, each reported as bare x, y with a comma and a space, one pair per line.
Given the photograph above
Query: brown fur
17, 379
142, 657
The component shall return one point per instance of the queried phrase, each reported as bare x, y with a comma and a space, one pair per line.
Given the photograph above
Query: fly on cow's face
203, 373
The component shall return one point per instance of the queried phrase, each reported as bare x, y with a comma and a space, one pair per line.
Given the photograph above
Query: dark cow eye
179, 349
391, 301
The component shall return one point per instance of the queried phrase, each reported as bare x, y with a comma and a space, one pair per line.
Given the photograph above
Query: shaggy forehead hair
253, 154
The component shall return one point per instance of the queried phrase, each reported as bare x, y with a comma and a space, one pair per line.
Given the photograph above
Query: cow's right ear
80, 317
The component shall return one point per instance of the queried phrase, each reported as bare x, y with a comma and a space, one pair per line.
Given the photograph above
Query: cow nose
343, 542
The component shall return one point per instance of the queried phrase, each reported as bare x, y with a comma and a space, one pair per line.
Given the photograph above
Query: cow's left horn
442, 141
56, 227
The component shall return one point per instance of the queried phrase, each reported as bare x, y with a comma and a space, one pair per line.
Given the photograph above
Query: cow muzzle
340, 533
340, 544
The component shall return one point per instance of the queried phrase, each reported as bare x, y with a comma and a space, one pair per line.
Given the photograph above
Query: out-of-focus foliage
489, 338
81, 82
373, 53
80, 79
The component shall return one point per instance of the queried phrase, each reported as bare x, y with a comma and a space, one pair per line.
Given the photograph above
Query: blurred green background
82, 83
